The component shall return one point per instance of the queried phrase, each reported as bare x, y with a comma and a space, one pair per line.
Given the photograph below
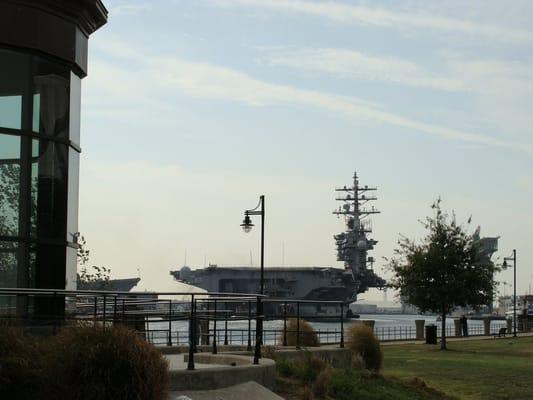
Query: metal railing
156, 315
193, 319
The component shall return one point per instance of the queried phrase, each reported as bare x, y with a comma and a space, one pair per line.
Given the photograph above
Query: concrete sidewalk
247, 390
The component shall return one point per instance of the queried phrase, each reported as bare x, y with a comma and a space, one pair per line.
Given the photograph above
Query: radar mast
353, 244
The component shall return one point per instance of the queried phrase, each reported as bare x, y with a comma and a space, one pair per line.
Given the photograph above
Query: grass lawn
473, 369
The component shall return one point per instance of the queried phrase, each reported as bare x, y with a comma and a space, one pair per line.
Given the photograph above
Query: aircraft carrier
315, 283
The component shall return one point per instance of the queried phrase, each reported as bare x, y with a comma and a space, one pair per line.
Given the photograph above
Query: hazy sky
193, 108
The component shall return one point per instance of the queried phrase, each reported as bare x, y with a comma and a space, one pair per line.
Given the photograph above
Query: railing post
215, 351
115, 309
190, 364
195, 327
298, 325
285, 324
104, 311
342, 325
55, 317
95, 312
258, 330
249, 347
123, 310
169, 341
225, 324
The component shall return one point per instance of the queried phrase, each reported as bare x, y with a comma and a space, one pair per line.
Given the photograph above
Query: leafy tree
444, 270
93, 277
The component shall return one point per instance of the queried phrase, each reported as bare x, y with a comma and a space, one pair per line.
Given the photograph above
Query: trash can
431, 334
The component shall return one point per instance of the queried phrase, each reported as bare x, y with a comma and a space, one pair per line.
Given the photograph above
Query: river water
387, 327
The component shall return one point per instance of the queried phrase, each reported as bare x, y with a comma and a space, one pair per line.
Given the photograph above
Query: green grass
480, 369
350, 384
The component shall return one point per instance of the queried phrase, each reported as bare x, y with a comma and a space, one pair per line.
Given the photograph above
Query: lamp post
513, 259
247, 226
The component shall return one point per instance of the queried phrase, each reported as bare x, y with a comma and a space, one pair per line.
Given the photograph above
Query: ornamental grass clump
21, 364
112, 363
362, 342
307, 335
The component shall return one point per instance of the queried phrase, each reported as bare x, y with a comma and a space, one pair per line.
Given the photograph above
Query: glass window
8, 275
51, 98
9, 184
49, 190
13, 84
10, 111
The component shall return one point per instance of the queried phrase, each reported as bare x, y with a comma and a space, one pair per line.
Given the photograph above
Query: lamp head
247, 224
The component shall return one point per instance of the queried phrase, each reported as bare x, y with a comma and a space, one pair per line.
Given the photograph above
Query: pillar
420, 329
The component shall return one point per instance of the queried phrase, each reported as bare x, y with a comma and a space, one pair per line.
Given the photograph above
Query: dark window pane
14, 80
9, 184
51, 98
8, 264
8, 275
49, 190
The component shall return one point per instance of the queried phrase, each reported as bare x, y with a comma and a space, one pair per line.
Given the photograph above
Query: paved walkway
247, 390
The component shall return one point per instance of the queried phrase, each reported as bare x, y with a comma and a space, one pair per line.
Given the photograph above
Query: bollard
420, 329
457, 326
486, 326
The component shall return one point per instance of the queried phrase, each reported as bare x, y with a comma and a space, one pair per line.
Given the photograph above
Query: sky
194, 108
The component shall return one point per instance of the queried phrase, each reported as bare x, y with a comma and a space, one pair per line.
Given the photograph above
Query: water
387, 327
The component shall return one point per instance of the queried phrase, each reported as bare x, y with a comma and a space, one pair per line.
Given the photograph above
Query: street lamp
513, 259
247, 226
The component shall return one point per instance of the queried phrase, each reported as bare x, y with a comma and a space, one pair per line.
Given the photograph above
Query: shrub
306, 393
269, 352
21, 364
361, 341
320, 386
307, 337
357, 362
305, 370
285, 368
107, 364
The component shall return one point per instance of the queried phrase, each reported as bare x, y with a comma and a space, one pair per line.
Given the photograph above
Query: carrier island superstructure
314, 282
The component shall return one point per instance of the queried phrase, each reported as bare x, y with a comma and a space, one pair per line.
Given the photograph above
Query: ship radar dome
185, 273
361, 245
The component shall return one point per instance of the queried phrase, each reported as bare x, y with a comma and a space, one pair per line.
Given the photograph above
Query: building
43, 57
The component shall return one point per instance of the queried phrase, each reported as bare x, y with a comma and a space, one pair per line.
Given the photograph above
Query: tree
96, 278
444, 270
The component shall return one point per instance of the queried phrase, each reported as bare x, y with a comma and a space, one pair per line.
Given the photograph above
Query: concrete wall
220, 377
334, 356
